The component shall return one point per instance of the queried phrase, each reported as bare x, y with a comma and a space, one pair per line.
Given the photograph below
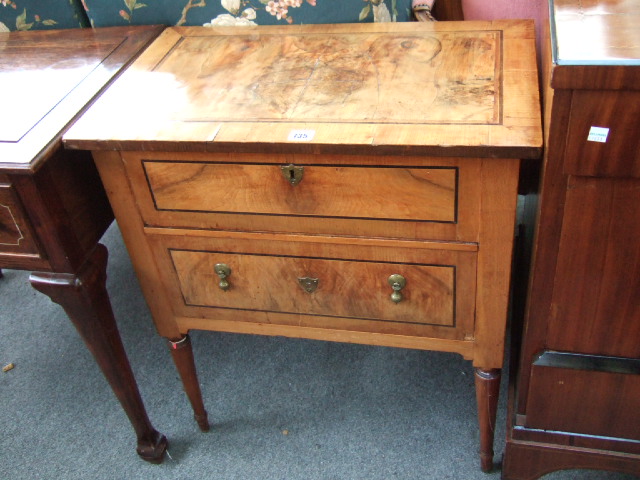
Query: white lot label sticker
598, 134
301, 135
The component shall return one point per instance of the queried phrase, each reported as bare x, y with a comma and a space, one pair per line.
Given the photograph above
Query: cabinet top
596, 32
48, 77
447, 88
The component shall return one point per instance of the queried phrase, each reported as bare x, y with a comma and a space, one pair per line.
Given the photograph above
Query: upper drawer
604, 134
399, 193
310, 194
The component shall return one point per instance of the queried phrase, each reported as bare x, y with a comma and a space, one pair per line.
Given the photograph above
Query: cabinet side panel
602, 134
547, 235
119, 192
595, 307
497, 231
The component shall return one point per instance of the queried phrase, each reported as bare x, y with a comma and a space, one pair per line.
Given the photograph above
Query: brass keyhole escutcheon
397, 283
309, 284
292, 174
223, 271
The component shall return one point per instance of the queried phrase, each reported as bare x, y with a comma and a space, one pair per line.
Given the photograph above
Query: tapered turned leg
487, 391
85, 299
182, 354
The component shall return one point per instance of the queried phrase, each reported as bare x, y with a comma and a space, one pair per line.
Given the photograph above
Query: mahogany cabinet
576, 398
352, 183
53, 207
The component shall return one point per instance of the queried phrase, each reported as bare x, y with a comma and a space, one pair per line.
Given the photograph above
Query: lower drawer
339, 286
585, 394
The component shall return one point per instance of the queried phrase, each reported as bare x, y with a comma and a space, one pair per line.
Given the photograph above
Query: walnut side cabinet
576, 402
352, 183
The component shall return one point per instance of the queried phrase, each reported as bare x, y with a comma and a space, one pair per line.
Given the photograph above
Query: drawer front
585, 394
401, 193
331, 286
401, 198
16, 236
315, 286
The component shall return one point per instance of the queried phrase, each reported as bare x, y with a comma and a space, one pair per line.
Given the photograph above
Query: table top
596, 32
48, 77
445, 88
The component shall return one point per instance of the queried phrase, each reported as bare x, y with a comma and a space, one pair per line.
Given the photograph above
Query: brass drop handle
292, 174
223, 271
397, 283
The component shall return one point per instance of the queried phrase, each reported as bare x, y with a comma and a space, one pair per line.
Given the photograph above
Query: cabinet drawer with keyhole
413, 197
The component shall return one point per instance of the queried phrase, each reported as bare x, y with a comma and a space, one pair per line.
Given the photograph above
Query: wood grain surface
418, 194
456, 87
48, 78
581, 321
410, 137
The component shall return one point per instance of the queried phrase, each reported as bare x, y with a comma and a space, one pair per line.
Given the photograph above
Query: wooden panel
595, 305
498, 216
581, 401
600, 32
69, 64
590, 443
530, 460
75, 65
338, 333
345, 288
114, 178
332, 79
547, 230
16, 234
417, 194
353, 290
348, 87
67, 207
448, 10
583, 289
399, 197
73, 195
619, 155
596, 43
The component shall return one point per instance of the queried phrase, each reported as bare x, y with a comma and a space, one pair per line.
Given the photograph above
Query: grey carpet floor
280, 408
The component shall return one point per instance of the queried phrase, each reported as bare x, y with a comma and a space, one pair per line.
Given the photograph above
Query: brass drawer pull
397, 283
309, 284
292, 174
223, 271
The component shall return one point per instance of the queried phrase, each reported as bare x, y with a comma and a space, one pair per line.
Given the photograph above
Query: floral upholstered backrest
53, 14
104, 13
41, 14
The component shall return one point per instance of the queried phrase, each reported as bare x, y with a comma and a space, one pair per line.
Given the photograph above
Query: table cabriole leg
487, 392
84, 298
182, 354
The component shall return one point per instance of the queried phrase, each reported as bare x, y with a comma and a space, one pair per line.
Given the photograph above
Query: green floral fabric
41, 14
104, 13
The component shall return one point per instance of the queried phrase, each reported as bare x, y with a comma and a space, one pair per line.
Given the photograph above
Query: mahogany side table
53, 208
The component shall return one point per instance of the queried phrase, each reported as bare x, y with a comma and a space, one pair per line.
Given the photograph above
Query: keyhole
292, 174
